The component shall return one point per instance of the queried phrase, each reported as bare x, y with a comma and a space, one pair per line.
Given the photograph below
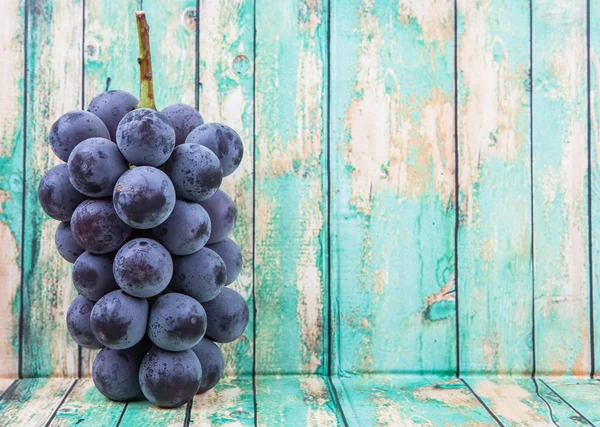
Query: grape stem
146, 87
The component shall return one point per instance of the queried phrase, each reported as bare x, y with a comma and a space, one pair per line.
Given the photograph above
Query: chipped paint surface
230, 404
582, 393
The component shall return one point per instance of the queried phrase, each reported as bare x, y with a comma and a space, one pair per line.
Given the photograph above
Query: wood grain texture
33, 401
291, 177
54, 73
396, 400
583, 394
5, 384
392, 186
293, 400
560, 185
494, 235
86, 406
230, 403
227, 96
143, 413
12, 27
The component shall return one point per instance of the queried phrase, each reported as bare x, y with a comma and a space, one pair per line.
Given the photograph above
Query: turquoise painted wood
583, 394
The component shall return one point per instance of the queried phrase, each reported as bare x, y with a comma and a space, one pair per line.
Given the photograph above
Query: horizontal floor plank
230, 403
581, 393
143, 413
5, 383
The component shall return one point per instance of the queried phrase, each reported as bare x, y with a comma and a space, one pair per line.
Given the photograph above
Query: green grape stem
146, 87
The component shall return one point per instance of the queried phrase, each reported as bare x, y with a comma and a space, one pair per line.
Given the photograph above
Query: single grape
222, 213
66, 245
177, 322
184, 120
143, 268
186, 230
111, 106
200, 275
211, 359
227, 316
95, 165
231, 254
97, 228
195, 172
72, 128
92, 275
116, 373
145, 137
144, 197
119, 320
78, 323
57, 195
221, 140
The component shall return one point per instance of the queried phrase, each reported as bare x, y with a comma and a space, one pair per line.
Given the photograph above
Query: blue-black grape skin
78, 323
177, 322
186, 230
57, 195
227, 316
145, 137
213, 364
111, 106
184, 120
170, 379
66, 245
95, 165
195, 172
231, 254
223, 215
92, 275
221, 140
200, 275
143, 268
119, 320
116, 373
144, 197
97, 228
72, 128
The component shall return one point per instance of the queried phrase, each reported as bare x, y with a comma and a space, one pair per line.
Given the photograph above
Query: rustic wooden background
419, 194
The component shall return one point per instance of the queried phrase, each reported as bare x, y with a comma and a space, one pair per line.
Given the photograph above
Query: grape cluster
146, 227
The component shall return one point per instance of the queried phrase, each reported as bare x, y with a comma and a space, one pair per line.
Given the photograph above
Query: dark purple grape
145, 137
111, 106
227, 316
66, 245
57, 195
184, 120
143, 268
78, 323
222, 213
231, 254
170, 379
97, 228
221, 140
119, 320
144, 197
200, 275
195, 172
186, 230
94, 167
177, 322
92, 275
116, 373
211, 359
73, 127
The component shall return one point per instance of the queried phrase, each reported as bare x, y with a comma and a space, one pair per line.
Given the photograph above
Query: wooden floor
367, 400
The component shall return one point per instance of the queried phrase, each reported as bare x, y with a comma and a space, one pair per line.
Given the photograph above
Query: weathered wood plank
54, 87
582, 393
291, 179
562, 308
392, 208
5, 384
494, 235
293, 400
227, 96
394, 400
86, 406
143, 413
12, 22
230, 403
33, 401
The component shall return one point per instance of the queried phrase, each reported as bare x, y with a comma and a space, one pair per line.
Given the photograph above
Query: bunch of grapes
146, 227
